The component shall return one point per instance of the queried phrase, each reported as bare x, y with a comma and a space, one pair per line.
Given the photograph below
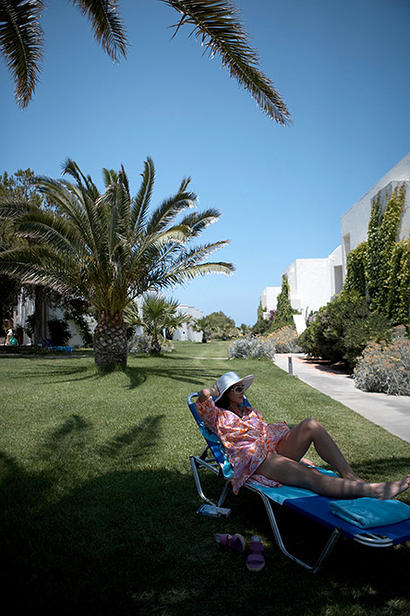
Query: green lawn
98, 501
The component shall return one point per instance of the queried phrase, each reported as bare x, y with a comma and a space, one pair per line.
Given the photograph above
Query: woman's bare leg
288, 471
296, 443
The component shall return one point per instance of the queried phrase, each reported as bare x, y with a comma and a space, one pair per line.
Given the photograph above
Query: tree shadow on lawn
191, 376
52, 371
128, 541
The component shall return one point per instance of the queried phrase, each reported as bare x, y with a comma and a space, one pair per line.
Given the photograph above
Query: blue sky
342, 68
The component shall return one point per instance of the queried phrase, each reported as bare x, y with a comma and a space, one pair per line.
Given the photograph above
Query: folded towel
370, 512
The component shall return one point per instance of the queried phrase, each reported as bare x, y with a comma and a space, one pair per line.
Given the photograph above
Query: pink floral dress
247, 440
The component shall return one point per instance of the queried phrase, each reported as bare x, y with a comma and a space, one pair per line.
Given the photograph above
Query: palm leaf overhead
21, 44
107, 25
215, 23
21, 37
221, 33
107, 248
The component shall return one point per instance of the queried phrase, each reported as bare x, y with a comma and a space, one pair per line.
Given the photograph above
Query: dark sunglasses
238, 389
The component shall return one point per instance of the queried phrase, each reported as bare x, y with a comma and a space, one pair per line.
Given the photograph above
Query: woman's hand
207, 392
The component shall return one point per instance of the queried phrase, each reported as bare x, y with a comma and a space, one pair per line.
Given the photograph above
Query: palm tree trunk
155, 346
110, 342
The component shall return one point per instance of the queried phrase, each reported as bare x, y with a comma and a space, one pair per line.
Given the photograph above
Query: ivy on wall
398, 299
355, 270
379, 269
381, 239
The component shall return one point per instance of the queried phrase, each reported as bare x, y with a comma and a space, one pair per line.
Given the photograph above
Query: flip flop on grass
234, 542
255, 560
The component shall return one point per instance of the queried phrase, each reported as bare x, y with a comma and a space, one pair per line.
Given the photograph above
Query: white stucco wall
354, 223
268, 299
186, 331
24, 309
76, 339
310, 285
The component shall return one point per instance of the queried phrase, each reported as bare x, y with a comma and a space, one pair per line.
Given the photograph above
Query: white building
354, 223
186, 331
269, 298
314, 282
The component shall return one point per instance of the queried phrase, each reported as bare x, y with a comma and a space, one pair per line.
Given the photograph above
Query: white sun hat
231, 378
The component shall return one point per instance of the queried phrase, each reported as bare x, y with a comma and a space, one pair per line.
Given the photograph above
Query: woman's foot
390, 489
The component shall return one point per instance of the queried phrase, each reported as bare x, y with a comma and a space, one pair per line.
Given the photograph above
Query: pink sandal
255, 560
234, 542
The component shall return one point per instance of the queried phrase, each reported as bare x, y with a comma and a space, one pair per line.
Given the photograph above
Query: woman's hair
223, 402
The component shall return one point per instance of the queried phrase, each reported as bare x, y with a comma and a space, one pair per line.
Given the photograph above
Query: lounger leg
195, 464
224, 493
275, 528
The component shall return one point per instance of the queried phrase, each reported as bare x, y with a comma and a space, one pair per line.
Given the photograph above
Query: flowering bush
255, 348
284, 339
385, 367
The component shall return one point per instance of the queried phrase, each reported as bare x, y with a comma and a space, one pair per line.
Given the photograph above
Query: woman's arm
206, 407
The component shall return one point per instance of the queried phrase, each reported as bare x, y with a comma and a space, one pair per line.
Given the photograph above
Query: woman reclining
272, 454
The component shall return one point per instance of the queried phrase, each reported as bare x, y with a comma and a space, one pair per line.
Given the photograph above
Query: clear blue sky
342, 67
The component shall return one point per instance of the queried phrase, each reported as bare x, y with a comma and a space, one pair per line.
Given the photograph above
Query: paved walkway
390, 412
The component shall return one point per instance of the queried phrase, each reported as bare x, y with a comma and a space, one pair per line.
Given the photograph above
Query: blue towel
370, 512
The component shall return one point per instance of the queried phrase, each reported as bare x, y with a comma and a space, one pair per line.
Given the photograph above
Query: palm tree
106, 249
202, 326
158, 314
215, 23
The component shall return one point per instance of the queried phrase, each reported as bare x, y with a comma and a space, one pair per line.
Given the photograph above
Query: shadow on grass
127, 541
189, 375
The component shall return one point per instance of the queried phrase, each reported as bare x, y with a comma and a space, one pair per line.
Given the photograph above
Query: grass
98, 503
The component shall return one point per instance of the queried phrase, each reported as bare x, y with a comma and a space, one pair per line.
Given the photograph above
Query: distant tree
158, 314
221, 326
284, 312
202, 326
245, 329
15, 187
262, 325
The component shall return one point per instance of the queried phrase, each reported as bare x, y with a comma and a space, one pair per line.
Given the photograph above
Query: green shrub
285, 340
140, 344
341, 330
385, 367
59, 332
251, 348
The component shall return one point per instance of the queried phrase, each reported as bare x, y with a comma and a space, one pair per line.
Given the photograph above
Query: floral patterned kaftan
247, 440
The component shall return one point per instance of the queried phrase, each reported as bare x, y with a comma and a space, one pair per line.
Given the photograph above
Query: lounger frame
207, 461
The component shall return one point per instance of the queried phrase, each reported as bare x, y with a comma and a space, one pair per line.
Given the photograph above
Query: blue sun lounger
304, 502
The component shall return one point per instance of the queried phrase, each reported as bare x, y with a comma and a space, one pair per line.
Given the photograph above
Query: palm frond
11, 208
70, 167
198, 221
72, 203
217, 25
184, 274
198, 253
107, 25
42, 266
141, 202
168, 210
55, 231
21, 43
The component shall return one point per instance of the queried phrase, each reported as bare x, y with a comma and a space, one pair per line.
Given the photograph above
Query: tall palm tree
106, 248
215, 23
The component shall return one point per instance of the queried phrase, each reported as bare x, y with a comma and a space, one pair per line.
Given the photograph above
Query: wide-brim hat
231, 378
